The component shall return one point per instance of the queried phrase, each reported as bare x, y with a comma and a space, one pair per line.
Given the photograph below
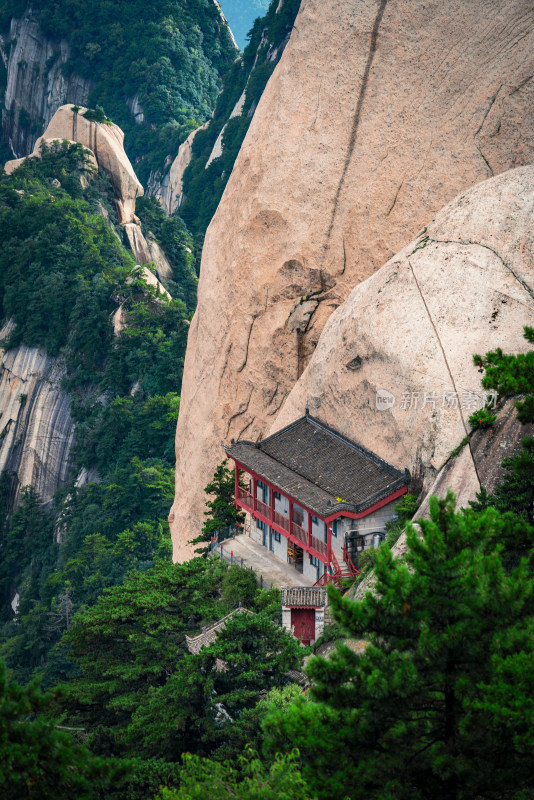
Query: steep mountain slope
376, 116
89, 380
167, 59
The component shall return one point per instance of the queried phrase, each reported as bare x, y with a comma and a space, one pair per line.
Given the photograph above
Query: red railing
299, 533
334, 573
335, 564
281, 521
325, 578
319, 545
349, 562
245, 497
263, 508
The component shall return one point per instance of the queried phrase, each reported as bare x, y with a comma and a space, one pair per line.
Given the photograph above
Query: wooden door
303, 624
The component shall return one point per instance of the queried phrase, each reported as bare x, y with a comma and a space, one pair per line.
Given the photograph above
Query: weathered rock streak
36, 428
376, 116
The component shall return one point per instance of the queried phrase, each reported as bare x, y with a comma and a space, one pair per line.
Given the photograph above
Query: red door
303, 624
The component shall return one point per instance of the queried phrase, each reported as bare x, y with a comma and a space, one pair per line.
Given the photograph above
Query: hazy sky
241, 14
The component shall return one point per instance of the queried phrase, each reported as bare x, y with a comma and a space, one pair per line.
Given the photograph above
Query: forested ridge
169, 54
204, 184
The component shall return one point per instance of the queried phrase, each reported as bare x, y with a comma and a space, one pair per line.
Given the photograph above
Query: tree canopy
437, 702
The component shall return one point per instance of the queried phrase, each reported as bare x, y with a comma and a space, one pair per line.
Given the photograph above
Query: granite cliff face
36, 428
376, 116
169, 189
36, 86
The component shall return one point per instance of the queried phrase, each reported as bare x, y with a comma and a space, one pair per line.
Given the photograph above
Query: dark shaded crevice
242, 410
300, 353
358, 112
392, 206
489, 106
243, 365
344, 258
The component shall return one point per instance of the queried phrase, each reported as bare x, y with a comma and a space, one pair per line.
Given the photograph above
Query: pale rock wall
35, 86
169, 190
163, 266
138, 243
146, 249
36, 429
377, 114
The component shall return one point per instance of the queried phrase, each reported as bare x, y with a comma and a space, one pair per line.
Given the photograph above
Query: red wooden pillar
254, 493
308, 512
290, 515
236, 485
271, 495
329, 541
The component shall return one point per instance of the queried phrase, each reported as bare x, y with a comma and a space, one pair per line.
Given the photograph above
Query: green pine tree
511, 375
38, 761
222, 511
438, 703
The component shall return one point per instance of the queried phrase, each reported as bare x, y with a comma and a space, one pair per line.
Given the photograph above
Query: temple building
315, 498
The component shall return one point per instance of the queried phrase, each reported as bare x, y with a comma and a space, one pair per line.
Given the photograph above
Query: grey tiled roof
320, 468
208, 636
303, 596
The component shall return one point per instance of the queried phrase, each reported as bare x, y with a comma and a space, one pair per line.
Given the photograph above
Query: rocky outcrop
169, 190
36, 85
105, 141
375, 117
146, 249
164, 269
36, 429
138, 243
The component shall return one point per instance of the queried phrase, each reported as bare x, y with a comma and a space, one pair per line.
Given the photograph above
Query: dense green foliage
38, 761
141, 692
439, 702
63, 273
169, 54
513, 375
248, 779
